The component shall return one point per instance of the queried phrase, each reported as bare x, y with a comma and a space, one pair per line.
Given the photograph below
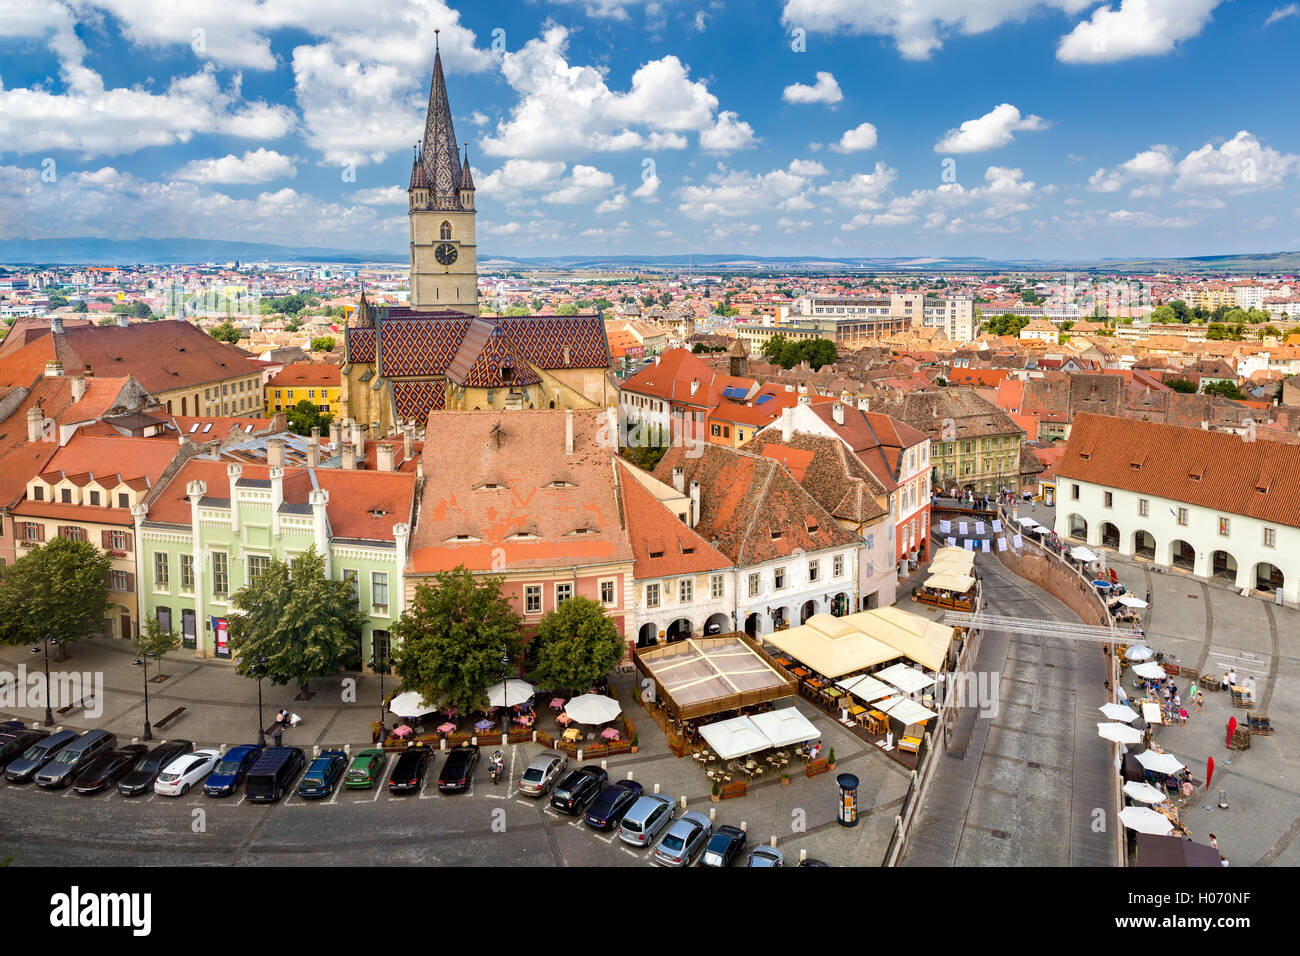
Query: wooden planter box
814, 767
737, 788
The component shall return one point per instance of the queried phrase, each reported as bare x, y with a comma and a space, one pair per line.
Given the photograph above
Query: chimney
349, 456
384, 454
787, 424
78, 388
123, 322
335, 438
319, 499
845, 397
408, 434
313, 450
53, 369
568, 431
837, 413
56, 324
359, 439
695, 503
34, 424
275, 452
679, 479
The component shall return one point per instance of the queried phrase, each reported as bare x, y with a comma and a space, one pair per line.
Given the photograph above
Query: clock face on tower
445, 253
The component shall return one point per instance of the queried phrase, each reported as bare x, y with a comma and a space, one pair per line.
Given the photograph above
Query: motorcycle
498, 768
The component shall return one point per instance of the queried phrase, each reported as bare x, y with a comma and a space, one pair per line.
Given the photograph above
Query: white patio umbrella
1118, 712
1159, 763
509, 693
1129, 600
593, 709
410, 704
1082, 554
1145, 820
1139, 653
1144, 792
1119, 733
1150, 670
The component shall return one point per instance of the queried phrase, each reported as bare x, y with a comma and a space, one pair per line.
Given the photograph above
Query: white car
184, 772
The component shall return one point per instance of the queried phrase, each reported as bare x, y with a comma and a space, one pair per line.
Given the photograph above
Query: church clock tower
444, 261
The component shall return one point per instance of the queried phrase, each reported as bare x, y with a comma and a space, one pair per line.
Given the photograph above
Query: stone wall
1059, 581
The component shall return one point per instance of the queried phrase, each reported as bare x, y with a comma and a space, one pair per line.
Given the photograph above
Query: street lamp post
505, 693
261, 724
381, 666
49, 713
148, 731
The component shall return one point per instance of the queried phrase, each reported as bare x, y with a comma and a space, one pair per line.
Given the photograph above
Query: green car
365, 767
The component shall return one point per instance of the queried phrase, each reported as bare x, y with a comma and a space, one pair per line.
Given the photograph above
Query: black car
106, 769
12, 725
606, 811
408, 772
723, 847
458, 769
14, 743
23, 769
577, 788
141, 777
811, 862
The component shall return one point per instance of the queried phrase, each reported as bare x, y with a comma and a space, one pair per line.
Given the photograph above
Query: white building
1209, 503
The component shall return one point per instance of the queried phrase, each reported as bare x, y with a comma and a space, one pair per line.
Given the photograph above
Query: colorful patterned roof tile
412, 347
359, 344
487, 359
541, 340
414, 399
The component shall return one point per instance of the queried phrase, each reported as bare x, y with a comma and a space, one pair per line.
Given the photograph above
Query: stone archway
717, 624
1144, 544
648, 635
1077, 527
753, 624
808, 609
841, 604
1109, 535
1223, 565
679, 630
1182, 555
1268, 577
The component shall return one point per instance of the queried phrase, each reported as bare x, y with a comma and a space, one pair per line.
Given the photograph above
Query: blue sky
1026, 128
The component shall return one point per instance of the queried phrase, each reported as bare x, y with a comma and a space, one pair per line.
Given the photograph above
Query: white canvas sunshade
1150, 670
865, 687
410, 704
1029, 524
1118, 712
1139, 653
948, 581
907, 679
1144, 792
785, 727
1145, 820
1129, 600
735, 737
1082, 554
906, 710
1159, 763
593, 709
509, 693
1151, 713
1119, 733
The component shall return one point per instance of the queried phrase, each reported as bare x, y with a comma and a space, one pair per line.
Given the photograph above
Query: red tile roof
307, 375
662, 544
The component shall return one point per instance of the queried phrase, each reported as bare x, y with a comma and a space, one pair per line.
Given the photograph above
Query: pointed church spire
466, 180
440, 156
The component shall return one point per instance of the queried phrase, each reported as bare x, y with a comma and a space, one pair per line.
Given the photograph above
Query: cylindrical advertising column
847, 814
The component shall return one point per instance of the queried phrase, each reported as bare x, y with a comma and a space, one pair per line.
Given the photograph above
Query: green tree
666, 299
55, 590
305, 416
1163, 315
80, 307
305, 624
154, 641
450, 639
1225, 389
324, 343
1005, 324
647, 300
567, 308
1180, 310
577, 645
1181, 385
225, 332
517, 310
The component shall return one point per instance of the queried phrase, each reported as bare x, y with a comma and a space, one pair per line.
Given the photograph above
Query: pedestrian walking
1148, 595
1214, 841
1182, 715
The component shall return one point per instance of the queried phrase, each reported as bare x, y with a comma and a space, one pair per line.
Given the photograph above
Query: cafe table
800, 672
573, 734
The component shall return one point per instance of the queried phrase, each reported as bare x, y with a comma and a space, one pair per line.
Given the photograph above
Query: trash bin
847, 813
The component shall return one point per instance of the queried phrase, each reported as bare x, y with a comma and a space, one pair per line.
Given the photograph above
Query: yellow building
319, 384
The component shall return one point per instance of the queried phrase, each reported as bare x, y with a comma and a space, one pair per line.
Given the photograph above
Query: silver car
684, 839
542, 773
646, 819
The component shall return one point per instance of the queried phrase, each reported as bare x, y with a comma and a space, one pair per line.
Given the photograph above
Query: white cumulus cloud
990, 131
255, 166
855, 140
825, 90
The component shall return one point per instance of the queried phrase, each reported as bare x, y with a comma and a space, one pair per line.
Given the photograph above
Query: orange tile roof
307, 375
1210, 469
654, 530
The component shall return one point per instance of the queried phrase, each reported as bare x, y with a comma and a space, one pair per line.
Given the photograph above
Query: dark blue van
273, 774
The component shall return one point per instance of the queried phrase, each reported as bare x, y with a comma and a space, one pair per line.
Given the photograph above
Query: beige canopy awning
949, 581
835, 646
959, 558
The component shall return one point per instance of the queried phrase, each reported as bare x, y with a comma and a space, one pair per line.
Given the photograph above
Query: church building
401, 363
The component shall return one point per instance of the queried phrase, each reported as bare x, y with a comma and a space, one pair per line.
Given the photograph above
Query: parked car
723, 847
323, 775
184, 772
646, 819
684, 839
12, 725
408, 772
273, 774
605, 812
365, 769
231, 770
14, 743
762, 856
542, 773
809, 861
23, 769
458, 769
140, 778
107, 769
577, 788
58, 773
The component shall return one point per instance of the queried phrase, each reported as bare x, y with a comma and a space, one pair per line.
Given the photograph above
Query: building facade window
1182, 517
220, 574
814, 571
778, 578
652, 595
562, 593
1144, 507
1074, 492
1225, 526
1109, 499
119, 581
161, 571
837, 565
755, 584
686, 590
353, 578
607, 592
187, 573
717, 586
379, 592
257, 564
533, 599
1270, 537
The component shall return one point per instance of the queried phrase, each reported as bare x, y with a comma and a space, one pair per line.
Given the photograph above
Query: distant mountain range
92, 251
